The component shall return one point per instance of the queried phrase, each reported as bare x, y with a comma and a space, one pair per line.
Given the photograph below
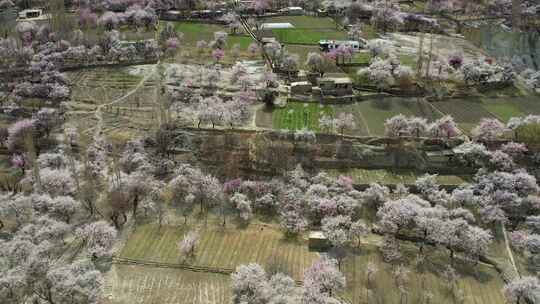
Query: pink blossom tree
18, 132
396, 126
345, 121
323, 278
249, 284
218, 55
253, 49
242, 205
98, 237
188, 244
489, 129
444, 127
520, 289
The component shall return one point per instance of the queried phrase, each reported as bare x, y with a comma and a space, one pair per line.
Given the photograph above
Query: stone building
338, 86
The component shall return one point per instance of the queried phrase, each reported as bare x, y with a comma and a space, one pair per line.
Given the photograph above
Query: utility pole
516, 15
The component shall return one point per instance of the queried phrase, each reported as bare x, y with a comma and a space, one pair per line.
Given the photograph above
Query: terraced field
226, 248
479, 286
299, 115
220, 248
193, 32
375, 112
147, 285
468, 112
94, 87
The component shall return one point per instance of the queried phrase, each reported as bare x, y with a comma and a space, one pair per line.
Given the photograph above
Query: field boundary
128, 261
203, 269
194, 268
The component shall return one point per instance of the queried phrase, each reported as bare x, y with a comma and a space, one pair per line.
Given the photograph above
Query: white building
293, 10
276, 26
35, 14
328, 45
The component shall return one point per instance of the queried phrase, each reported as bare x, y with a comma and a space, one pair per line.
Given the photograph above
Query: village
269, 151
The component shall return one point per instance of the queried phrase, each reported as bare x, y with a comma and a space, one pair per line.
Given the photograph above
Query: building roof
339, 80
273, 26
317, 235
31, 10
268, 39
292, 8
338, 42
299, 83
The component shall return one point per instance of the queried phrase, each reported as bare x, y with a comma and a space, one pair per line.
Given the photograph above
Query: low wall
16, 72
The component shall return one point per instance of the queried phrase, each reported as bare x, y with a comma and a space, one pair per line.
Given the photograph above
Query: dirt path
98, 113
509, 250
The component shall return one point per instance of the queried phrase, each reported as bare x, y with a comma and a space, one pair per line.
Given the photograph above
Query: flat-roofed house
338, 86
276, 26
301, 87
293, 11
318, 241
266, 28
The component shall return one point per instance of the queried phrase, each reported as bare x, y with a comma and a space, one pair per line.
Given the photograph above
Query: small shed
301, 87
339, 86
34, 14
318, 241
443, 156
293, 11
267, 40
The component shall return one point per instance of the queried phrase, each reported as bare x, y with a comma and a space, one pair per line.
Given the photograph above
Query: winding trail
509, 250
98, 111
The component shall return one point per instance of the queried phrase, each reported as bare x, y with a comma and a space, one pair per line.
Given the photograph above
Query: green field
370, 115
308, 30
468, 112
375, 112
298, 115
503, 110
194, 32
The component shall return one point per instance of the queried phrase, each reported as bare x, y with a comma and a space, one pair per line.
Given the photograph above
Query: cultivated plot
223, 248
148, 285
478, 285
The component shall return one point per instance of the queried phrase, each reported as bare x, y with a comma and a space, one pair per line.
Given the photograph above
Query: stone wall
266, 153
501, 42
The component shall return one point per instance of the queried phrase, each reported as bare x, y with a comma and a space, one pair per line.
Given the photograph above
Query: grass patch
369, 32
362, 57
464, 110
376, 112
298, 115
504, 111
409, 60
307, 36
194, 32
